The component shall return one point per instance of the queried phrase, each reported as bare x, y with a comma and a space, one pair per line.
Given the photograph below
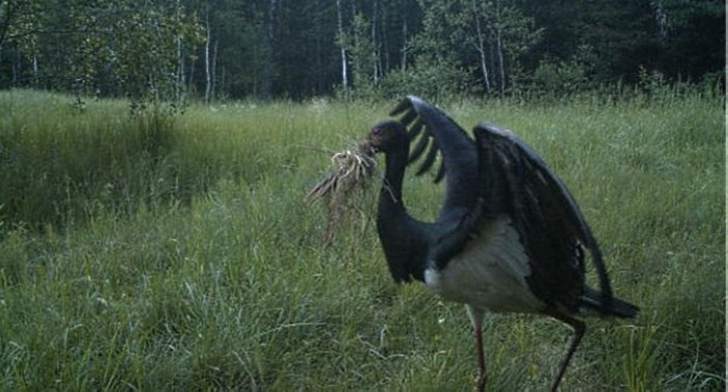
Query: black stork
509, 236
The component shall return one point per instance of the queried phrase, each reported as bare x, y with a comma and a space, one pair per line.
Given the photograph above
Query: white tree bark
208, 78
499, 48
403, 65
481, 48
344, 70
660, 19
501, 66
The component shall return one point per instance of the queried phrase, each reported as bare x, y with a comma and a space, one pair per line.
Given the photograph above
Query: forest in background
262, 49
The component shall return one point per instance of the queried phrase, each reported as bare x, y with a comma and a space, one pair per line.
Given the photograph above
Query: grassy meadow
177, 253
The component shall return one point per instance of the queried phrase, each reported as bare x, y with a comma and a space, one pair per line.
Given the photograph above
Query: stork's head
388, 136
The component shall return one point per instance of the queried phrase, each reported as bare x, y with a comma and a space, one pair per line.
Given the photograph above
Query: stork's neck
390, 196
403, 238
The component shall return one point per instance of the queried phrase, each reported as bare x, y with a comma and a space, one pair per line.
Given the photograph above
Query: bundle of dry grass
352, 171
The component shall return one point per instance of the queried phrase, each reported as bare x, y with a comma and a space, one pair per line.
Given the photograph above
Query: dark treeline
220, 49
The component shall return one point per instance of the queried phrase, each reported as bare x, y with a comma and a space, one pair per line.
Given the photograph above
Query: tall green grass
152, 253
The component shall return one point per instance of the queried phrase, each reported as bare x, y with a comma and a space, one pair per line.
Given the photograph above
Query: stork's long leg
478, 332
476, 317
579, 329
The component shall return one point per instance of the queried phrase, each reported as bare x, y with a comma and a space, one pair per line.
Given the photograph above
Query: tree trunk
314, 86
208, 79
35, 70
213, 68
499, 48
491, 59
222, 81
481, 48
180, 82
384, 57
660, 20
16, 66
375, 52
501, 67
403, 65
344, 70
191, 75
180, 79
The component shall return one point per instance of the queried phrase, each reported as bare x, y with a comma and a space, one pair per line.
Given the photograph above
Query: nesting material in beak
352, 170
351, 167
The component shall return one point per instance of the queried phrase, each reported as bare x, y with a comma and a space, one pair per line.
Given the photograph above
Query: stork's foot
480, 382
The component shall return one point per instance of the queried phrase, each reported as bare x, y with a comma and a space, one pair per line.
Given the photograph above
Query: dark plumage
509, 236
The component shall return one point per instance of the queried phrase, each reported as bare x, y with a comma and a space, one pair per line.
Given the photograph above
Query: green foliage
436, 41
652, 82
243, 56
559, 78
453, 33
109, 48
144, 58
363, 54
219, 49
200, 267
437, 79
435, 72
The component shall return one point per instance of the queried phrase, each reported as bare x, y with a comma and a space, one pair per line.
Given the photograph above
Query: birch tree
208, 38
341, 41
480, 44
500, 34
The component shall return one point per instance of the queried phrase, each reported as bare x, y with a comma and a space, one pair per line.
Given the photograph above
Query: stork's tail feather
591, 301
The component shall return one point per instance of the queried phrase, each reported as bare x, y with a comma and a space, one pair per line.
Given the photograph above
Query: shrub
554, 77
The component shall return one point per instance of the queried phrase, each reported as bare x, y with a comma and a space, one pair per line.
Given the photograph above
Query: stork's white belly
490, 273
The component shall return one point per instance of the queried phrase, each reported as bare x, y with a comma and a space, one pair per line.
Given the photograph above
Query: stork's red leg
476, 318
478, 332
579, 329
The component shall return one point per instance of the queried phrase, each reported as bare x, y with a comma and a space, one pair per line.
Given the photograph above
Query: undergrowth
167, 253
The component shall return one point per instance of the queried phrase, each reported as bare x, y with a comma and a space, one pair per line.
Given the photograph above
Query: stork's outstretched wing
516, 181
437, 130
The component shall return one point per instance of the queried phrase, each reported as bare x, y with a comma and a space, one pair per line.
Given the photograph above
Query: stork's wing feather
437, 130
515, 180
